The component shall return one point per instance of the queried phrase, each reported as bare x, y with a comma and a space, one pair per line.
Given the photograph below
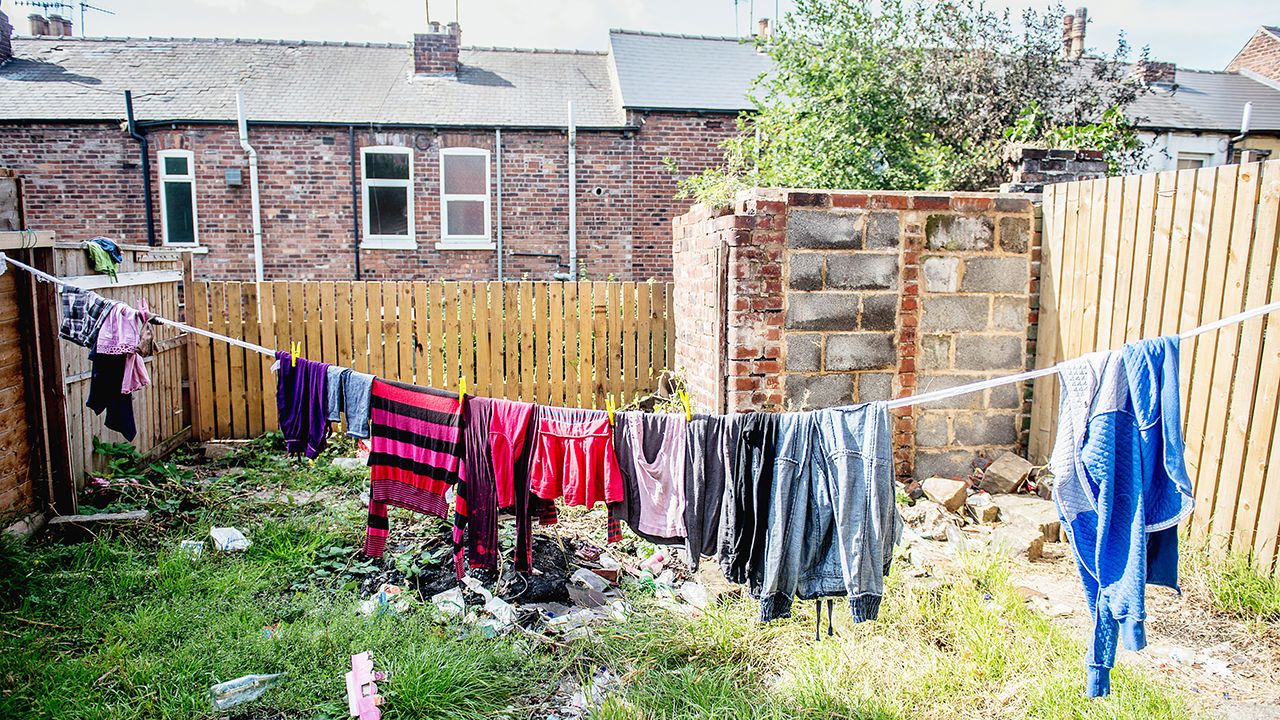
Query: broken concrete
1008, 473
948, 493
1033, 511
130, 516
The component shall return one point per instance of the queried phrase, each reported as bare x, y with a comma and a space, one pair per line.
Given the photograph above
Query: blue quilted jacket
1121, 487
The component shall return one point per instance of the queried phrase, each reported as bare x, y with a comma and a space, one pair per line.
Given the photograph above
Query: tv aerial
60, 6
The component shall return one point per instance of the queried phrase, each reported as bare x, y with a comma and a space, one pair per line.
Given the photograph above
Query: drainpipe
573, 196
497, 141
143, 148
355, 195
253, 188
1246, 115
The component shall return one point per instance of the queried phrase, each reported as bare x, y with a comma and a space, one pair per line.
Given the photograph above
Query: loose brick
862, 271
996, 275
959, 232
824, 230
860, 351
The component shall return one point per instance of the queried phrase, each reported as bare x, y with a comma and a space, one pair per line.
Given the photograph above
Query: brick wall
1260, 55
86, 181
436, 52
703, 238
1031, 168
838, 297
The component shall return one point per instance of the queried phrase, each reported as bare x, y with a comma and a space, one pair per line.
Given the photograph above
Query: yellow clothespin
462, 386
684, 400
610, 407
295, 349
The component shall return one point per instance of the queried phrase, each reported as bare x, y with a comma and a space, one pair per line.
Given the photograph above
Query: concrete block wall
837, 297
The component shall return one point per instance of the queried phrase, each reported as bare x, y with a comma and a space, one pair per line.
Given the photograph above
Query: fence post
190, 349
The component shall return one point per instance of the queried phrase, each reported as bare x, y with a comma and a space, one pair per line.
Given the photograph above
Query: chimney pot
39, 24
762, 28
1078, 27
436, 52
1066, 34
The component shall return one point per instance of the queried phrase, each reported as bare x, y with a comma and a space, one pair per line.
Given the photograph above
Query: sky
1192, 33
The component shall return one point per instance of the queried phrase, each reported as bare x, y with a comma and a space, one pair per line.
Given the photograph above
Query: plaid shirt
82, 316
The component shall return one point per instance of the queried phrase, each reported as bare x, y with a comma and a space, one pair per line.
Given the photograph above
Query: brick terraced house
426, 160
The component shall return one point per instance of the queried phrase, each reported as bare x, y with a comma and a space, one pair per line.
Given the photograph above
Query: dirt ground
1234, 668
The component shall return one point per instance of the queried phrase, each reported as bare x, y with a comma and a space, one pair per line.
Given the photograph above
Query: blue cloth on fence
1121, 487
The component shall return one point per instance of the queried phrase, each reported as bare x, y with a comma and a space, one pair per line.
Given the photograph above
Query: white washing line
156, 318
900, 402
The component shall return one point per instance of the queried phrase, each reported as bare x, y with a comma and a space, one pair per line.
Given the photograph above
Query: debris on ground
590, 590
1007, 474
242, 690
363, 700
351, 464
222, 449
193, 548
229, 539
947, 492
113, 517
389, 598
450, 603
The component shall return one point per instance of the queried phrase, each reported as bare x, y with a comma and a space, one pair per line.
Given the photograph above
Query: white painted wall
1162, 150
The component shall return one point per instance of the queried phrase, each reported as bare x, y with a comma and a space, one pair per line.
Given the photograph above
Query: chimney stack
6, 45
762, 29
435, 52
1155, 73
59, 26
1077, 33
1067, 20
39, 25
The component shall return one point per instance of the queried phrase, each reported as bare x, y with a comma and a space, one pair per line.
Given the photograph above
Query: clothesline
918, 399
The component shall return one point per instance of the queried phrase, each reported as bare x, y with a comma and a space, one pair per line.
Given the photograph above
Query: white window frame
190, 179
386, 242
466, 242
1205, 158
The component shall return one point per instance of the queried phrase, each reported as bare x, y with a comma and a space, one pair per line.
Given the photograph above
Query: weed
1236, 586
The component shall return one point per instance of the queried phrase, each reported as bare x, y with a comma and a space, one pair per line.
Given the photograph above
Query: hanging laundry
117, 370
104, 256
708, 449
136, 375
791, 541
121, 334
745, 511
347, 393
650, 448
1121, 487
574, 459
415, 455
82, 316
300, 404
104, 394
859, 531
499, 438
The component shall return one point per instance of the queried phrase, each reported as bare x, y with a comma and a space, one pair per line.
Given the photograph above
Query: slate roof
300, 82
684, 72
1210, 100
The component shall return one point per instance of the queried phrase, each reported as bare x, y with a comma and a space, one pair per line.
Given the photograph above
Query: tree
906, 94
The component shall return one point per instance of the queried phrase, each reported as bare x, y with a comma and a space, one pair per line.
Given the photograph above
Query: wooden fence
1132, 257
568, 344
160, 409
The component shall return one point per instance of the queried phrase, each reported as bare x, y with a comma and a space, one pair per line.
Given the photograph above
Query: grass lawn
125, 625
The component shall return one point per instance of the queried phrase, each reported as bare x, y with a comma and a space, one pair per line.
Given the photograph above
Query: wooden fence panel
568, 344
1128, 258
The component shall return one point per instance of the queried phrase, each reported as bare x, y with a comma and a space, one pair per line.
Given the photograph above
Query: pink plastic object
362, 689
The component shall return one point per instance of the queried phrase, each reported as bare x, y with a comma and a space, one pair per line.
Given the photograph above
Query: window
387, 180
178, 197
464, 199
1191, 161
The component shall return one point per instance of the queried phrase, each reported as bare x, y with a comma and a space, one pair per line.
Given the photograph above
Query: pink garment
120, 332
574, 458
136, 376
507, 430
660, 479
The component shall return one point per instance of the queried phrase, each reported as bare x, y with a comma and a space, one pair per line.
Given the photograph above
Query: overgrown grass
1234, 583
969, 648
125, 626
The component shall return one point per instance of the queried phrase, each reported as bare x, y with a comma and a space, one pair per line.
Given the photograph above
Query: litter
388, 598
589, 590
193, 548
271, 632
242, 690
362, 689
694, 594
229, 539
450, 602
655, 562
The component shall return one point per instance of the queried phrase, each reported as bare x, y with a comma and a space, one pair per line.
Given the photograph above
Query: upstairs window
464, 199
387, 181
178, 197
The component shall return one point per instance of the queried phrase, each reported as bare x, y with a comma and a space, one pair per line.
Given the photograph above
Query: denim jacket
832, 521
